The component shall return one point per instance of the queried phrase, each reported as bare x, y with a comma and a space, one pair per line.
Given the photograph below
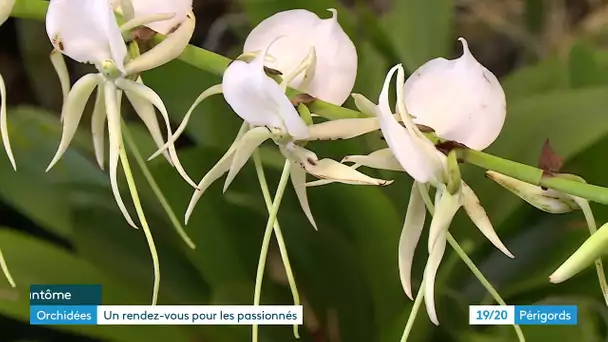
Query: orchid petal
478, 215
259, 100
6, 6
213, 90
430, 273
149, 94
342, 128
245, 148
86, 31
4, 126
298, 179
331, 169
115, 138
460, 99
298, 30
546, 200
410, 234
167, 50
72, 111
593, 248
445, 209
307, 66
98, 121
382, 159
217, 171
61, 69
147, 114
179, 7
124, 7
144, 20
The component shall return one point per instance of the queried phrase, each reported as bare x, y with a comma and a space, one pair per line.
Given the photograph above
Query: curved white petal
445, 209
383, 159
115, 138
478, 215
342, 128
430, 273
299, 29
149, 7
58, 62
259, 100
6, 6
3, 124
98, 122
408, 149
72, 111
167, 50
245, 148
86, 31
410, 234
298, 179
460, 99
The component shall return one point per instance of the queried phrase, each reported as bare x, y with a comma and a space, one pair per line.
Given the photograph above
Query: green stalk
277, 231
272, 215
412, 317
155, 188
216, 64
124, 161
5, 270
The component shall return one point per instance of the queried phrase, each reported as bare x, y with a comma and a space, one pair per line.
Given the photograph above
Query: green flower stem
482, 279
216, 64
257, 159
155, 188
272, 215
412, 317
142, 219
5, 270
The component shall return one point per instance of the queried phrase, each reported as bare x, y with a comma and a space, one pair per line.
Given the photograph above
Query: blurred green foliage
63, 226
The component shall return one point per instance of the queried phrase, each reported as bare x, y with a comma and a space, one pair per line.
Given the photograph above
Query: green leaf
421, 30
585, 70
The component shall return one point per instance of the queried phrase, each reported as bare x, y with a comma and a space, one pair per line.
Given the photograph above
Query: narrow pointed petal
114, 132
245, 148
298, 179
147, 114
180, 9
342, 129
546, 200
213, 90
594, 247
331, 169
430, 273
410, 234
98, 122
86, 31
383, 159
6, 6
149, 94
61, 69
144, 20
217, 171
167, 50
72, 111
478, 215
445, 209
3, 124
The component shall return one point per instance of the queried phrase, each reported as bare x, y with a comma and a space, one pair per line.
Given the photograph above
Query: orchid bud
335, 67
6, 6
460, 99
549, 201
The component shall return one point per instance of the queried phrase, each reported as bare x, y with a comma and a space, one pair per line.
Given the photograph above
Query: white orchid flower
173, 19
87, 31
269, 114
6, 6
460, 99
293, 33
411, 151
